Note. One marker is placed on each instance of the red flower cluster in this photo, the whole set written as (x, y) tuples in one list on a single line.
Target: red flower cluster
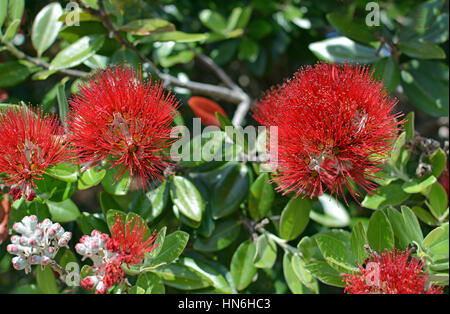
[(118, 118), (391, 273), (30, 144), (128, 243), (335, 129)]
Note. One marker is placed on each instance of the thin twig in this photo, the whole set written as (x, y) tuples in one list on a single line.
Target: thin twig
[(20, 55)]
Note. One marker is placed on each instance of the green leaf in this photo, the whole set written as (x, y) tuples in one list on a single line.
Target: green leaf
[(64, 172), (46, 27), (11, 31), (248, 49), (290, 277), (213, 20), (89, 222), (437, 33), (261, 197), (379, 232), (387, 70), (426, 85), (3, 12), (401, 234), (116, 186), (224, 234), (15, 10), (436, 243), (55, 190), (438, 162), (334, 213), (418, 186), (182, 277), (187, 198), (294, 218), (218, 279), (346, 25), (147, 27), (46, 280), (337, 253), (90, 178), (424, 216), (13, 73), (242, 268), (412, 224), (266, 252), (438, 201), (64, 211), (299, 267), (384, 196), (76, 53), (177, 36), (151, 283), (151, 204), (358, 240), (172, 247), (421, 50), (230, 191), (408, 126), (343, 49), (325, 273), (181, 57), (108, 202)]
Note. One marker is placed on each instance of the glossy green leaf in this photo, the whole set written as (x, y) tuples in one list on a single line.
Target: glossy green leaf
[(46, 280), (412, 224), (224, 234), (343, 49), (242, 268), (438, 201), (187, 198), (172, 247), (384, 196), (290, 277), (151, 283), (261, 197), (64, 172), (387, 70), (213, 20), (379, 232), (230, 191), (358, 241), (64, 211), (182, 277), (266, 252), (76, 53), (114, 185), (334, 213), (294, 218), (151, 204), (348, 26), (46, 27), (14, 72), (299, 267), (421, 50), (147, 27), (90, 178), (337, 253)]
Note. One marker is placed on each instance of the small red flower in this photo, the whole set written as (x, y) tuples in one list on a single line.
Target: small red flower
[(335, 129), (129, 240), (206, 109), (118, 118), (29, 144), (391, 273)]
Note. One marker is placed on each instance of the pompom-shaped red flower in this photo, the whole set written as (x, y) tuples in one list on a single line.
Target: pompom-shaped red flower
[(335, 129), (118, 118), (29, 144), (391, 273)]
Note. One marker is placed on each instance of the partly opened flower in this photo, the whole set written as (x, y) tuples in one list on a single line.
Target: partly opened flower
[(391, 273), (29, 144), (128, 243), (335, 129), (118, 118), (206, 109)]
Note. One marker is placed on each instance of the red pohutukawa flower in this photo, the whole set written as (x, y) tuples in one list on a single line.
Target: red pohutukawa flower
[(118, 118), (391, 273), (335, 129), (29, 144), (128, 243), (206, 109)]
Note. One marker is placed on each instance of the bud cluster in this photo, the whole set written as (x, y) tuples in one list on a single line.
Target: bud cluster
[(97, 249), (38, 244)]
